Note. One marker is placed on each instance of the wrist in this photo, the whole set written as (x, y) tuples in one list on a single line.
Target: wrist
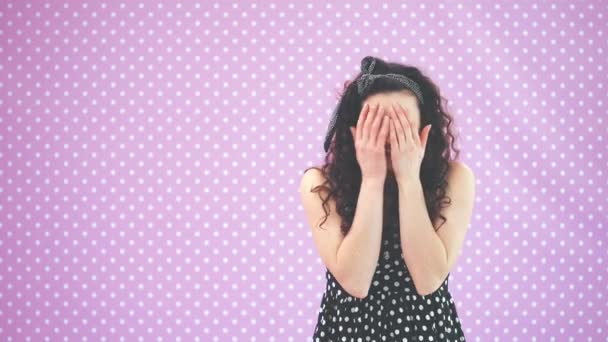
[(408, 183), (372, 181)]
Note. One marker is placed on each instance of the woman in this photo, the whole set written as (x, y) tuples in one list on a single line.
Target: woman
[(382, 230)]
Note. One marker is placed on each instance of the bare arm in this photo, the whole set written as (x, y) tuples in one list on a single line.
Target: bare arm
[(423, 251), (430, 255), (358, 253)]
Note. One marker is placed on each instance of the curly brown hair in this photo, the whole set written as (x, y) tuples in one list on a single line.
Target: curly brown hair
[(341, 169)]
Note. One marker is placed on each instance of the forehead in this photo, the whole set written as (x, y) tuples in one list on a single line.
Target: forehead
[(405, 98)]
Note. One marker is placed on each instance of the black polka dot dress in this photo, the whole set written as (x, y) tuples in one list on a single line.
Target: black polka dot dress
[(392, 310)]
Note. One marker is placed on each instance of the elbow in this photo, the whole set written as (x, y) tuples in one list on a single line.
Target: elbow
[(429, 289), (429, 285), (426, 292), (362, 294), (354, 287), (359, 292)]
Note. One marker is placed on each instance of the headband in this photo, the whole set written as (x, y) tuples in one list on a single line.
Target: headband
[(363, 84)]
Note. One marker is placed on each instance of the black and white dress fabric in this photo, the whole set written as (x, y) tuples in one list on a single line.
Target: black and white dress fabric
[(392, 311)]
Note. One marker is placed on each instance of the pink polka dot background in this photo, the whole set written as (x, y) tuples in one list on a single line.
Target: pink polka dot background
[(151, 153)]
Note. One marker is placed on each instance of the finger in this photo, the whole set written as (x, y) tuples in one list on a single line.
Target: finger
[(376, 126), (425, 138), (383, 132), (399, 132), (410, 121), (366, 129), (412, 130), (393, 134), (404, 127), (361, 121), (400, 140)]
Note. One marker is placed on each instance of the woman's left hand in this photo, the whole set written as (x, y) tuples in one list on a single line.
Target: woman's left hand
[(407, 148)]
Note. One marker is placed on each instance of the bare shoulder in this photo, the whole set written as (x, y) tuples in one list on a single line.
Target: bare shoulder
[(461, 190), (459, 175), (311, 175), (311, 178), (324, 225), (461, 182), (460, 187)]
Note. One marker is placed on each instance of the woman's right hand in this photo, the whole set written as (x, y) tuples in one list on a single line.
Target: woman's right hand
[(370, 136)]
